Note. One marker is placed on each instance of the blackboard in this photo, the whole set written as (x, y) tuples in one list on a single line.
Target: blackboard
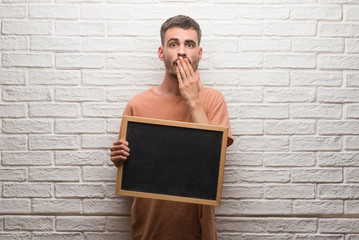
[(172, 160)]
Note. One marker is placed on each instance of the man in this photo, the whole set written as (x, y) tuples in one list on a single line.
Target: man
[(180, 97)]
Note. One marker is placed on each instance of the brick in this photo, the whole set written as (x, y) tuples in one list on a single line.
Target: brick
[(122, 95), (246, 127), (353, 237), (104, 174), (237, 29), (103, 110), (26, 94), (292, 225), (329, 191), (242, 192), (79, 190), (318, 207), (160, 12), (290, 61), (325, 111), (264, 44), (113, 126), (122, 224), (11, 77), (11, 174), (316, 78), (108, 236), (27, 190), (26, 126), (289, 127), (350, 12), (80, 61), (13, 12), (80, 158), (244, 159), (45, 142), (224, 12), (338, 29), (266, 78), (316, 143), (271, 144), (56, 236), (27, 27), (87, 29), (289, 1), (12, 206), (108, 44), (338, 127), (98, 141), (80, 126), (316, 175), (319, 237), (288, 159), (132, 29), (316, 12), (57, 11), (352, 45), (12, 110), (347, 95), (132, 62), (294, 191), (336, 1), (105, 11), (289, 95), (209, 43), (14, 235), (40, 60), (236, 60), (54, 77), (352, 111), (257, 176), (338, 225), (118, 207), (107, 78), (12, 143), (27, 158), (352, 79), (48, 174), (352, 207), (351, 143), (256, 207), (317, 45), (237, 224), (263, 111), (74, 223), (54, 110), (352, 175), (13, 43), (56, 44), (342, 159), (30, 223), (290, 29), (263, 13), (57, 206), (79, 94)]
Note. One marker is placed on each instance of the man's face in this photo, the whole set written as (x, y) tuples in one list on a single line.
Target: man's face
[(180, 42)]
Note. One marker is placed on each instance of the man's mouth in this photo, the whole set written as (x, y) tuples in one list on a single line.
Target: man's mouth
[(175, 62)]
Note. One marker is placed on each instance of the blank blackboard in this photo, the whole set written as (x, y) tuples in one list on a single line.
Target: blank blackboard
[(172, 160)]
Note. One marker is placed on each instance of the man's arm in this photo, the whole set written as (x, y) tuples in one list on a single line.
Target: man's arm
[(190, 87)]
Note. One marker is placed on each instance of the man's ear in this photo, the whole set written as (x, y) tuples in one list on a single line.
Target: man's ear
[(160, 53), (200, 51)]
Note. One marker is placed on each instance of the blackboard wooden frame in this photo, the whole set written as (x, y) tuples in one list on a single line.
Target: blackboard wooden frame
[(206, 172)]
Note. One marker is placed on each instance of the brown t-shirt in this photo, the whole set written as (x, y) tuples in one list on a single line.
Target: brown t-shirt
[(167, 220)]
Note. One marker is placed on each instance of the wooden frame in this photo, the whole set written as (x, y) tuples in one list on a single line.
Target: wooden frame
[(201, 162)]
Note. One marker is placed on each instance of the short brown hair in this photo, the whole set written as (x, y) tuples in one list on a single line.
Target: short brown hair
[(180, 21)]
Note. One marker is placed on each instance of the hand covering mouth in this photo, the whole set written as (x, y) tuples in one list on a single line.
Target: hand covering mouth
[(175, 62)]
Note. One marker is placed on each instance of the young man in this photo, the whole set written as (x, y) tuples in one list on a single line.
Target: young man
[(180, 97)]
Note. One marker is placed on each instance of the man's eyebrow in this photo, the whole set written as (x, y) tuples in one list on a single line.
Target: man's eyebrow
[(172, 39)]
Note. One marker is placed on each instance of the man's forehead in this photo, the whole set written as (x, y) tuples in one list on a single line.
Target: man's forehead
[(181, 34)]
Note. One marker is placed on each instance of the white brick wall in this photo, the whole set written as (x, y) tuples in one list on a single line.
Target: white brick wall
[(289, 70)]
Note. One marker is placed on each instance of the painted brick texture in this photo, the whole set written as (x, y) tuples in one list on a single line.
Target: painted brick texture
[(289, 70)]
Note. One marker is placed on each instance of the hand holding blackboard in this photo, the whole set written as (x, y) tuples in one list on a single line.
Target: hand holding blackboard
[(171, 160), (119, 151)]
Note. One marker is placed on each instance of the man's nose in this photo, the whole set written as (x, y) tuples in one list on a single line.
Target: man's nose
[(181, 52)]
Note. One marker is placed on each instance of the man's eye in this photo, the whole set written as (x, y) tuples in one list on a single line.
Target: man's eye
[(190, 45), (173, 44)]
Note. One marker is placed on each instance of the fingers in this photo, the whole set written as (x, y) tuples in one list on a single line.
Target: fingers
[(185, 69), (119, 151)]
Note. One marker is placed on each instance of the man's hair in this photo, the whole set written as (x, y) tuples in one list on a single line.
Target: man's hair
[(180, 21)]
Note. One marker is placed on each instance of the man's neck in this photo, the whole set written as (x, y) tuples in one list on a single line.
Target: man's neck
[(168, 87)]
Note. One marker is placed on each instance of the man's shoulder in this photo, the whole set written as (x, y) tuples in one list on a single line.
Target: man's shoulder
[(208, 92)]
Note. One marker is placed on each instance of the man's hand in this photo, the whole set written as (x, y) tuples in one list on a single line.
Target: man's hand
[(190, 87), (119, 151)]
